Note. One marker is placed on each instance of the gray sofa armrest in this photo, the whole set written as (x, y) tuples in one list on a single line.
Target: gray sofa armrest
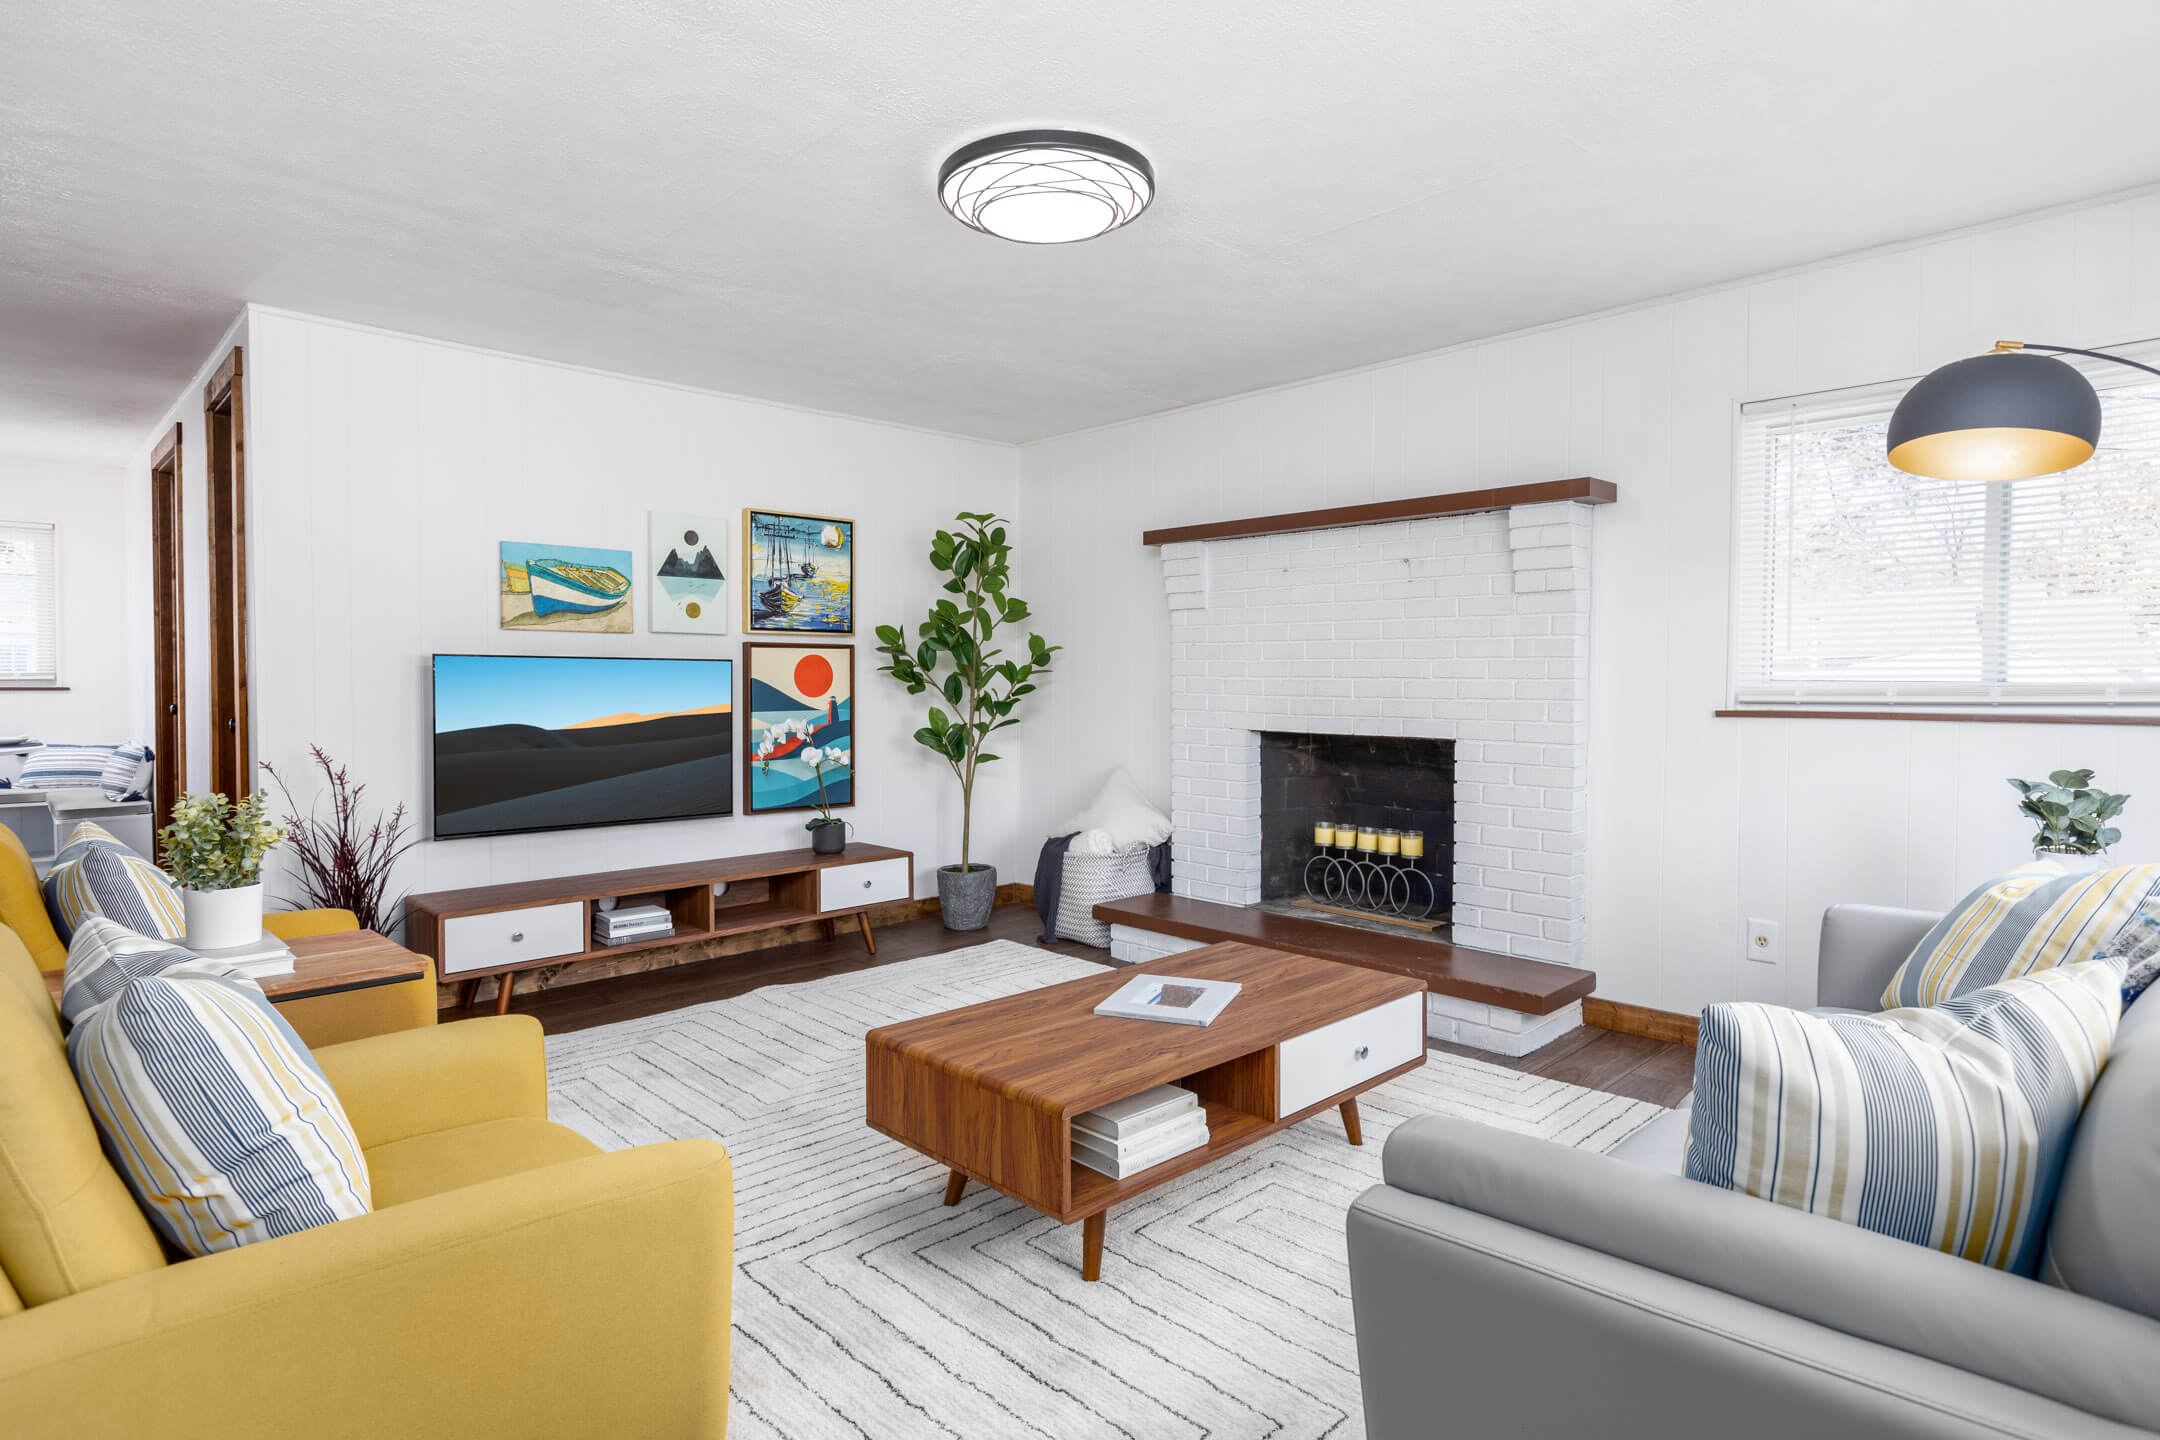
[(2078, 1352), (1862, 946)]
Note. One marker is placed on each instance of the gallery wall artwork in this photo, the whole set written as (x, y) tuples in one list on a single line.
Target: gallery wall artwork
[(798, 574), (798, 706), (689, 589), (565, 587)]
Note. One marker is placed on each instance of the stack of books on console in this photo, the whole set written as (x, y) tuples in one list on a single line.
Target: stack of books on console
[(1128, 1136), (636, 922)]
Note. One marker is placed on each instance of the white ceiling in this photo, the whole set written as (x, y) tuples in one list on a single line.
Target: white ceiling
[(739, 195)]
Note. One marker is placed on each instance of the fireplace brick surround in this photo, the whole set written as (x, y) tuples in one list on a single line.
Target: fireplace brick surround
[(1473, 628)]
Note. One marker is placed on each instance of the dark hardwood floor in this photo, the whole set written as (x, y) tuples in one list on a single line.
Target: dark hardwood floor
[(1596, 1059)]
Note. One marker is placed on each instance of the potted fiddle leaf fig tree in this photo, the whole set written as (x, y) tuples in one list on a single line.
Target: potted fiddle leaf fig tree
[(955, 653)]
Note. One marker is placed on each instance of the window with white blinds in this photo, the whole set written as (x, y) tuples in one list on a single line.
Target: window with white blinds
[(29, 604), (1857, 585)]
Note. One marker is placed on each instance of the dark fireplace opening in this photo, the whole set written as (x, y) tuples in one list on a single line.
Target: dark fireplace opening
[(1376, 781)]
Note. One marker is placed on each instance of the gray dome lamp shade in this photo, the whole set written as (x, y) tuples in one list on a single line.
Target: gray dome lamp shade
[(2000, 416)]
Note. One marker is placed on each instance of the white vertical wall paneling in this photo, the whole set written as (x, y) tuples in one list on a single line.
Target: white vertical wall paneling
[(1696, 823), (386, 469)]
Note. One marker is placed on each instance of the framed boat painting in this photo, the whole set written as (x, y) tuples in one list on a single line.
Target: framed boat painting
[(565, 587), (798, 574), (689, 590), (798, 711)]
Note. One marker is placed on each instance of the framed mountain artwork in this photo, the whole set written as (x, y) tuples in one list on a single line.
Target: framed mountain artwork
[(689, 589), (565, 587), (798, 574), (798, 709)]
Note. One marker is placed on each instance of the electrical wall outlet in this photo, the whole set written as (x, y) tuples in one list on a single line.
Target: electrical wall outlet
[(1762, 945)]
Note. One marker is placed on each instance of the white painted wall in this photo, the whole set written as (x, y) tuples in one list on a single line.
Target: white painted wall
[(104, 598), (1696, 822), (383, 471)]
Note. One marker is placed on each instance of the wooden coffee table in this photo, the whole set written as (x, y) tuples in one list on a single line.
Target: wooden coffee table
[(990, 1090)]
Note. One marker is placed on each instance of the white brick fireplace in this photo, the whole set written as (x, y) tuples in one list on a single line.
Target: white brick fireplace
[(1473, 628)]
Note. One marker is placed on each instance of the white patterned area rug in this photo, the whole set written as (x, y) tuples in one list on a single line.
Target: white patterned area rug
[(866, 1308)]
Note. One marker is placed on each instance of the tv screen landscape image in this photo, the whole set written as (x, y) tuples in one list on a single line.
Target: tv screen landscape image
[(536, 742)]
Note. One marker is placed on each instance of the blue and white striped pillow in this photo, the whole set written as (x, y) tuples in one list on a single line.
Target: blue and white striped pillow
[(95, 874), (103, 956), (215, 1113), (1946, 1126), (125, 771), (66, 767)]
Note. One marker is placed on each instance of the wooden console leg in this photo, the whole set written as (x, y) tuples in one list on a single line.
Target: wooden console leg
[(1350, 1124), (862, 918), (832, 929), (503, 984), (465, 991), (955, 1183), (1091, 1233)]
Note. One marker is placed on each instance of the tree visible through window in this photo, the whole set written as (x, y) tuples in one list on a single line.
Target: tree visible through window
[(29, 600), (1855, 583)]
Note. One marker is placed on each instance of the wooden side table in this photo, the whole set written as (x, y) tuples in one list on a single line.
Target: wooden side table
[(330, 965)]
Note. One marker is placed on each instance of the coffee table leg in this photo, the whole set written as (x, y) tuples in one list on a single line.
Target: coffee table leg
[(955, 1183), (1350, 1124), (1091, 1233)]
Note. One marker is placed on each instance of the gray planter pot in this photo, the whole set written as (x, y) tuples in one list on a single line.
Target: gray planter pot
[(965, 897)]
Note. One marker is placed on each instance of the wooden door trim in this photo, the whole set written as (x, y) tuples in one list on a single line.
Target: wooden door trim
[(168, 634), (225, 444)]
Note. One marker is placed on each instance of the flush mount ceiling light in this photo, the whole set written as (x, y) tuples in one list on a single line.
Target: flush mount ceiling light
[(1046, 187)]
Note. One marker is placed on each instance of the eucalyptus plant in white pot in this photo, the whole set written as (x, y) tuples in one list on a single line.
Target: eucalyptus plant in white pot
[(2073, 814), (984, 689), (214, 850)]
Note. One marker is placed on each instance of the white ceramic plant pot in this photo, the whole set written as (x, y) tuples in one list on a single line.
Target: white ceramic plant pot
[(2071, 862), (223, 919)]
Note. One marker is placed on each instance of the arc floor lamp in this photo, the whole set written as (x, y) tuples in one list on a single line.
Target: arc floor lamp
[(2004, 415)]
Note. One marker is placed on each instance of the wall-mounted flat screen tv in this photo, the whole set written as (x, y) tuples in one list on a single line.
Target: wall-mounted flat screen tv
[(541, 742)]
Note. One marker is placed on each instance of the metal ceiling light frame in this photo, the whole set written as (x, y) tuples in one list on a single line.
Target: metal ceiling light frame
[(1046, 187)]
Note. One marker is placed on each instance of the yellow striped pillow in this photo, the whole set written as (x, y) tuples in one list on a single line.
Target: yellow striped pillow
[(98, 875), (215, 1113), (2034, 918)]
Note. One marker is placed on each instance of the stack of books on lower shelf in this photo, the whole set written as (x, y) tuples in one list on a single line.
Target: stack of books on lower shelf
[(624, 926), (1130, 1135)]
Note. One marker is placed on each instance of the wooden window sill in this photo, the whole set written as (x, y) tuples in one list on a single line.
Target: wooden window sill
[(1943, 717), (14, 688)]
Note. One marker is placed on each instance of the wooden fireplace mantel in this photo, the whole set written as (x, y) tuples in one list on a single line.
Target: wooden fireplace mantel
[(1584, 489)]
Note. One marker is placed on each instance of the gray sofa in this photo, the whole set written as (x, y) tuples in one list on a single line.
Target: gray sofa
[(1507, 1286)]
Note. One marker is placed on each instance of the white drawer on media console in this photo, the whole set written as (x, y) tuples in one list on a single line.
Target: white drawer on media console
[(873, 882), (1331, 1059), (509, 937)]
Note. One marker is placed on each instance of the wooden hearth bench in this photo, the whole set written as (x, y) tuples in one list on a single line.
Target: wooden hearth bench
[(1502, 1003), (502, 929)]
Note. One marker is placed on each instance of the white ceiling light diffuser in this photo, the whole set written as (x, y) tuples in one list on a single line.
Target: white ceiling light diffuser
[(1046, 187)]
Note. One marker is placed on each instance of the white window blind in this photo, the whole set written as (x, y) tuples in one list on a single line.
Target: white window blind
[(29, 604), (1857, 585)]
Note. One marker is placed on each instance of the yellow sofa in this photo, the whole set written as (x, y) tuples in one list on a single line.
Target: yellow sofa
[(319, 1020), (512, 1280)]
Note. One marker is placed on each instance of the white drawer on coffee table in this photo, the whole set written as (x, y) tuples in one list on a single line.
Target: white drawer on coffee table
[(512, 937), (871, 882), (1333, 1058)]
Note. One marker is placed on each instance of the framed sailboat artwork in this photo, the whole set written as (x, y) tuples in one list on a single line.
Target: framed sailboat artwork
[(689, 588), (798, 574)]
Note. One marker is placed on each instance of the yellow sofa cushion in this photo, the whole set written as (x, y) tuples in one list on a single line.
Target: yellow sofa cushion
[(298, 924), (22, 980), (67, 1222), (22, 904), (423, 1165)]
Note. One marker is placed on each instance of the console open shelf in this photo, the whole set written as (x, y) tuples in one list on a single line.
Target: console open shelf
[(500, 930)]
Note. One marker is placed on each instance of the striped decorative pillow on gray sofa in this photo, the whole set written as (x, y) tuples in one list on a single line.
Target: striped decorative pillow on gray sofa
[(1945, 1126)]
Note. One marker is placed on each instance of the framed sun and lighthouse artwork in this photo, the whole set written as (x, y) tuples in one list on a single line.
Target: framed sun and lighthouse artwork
[(798, 574), (798, 708)]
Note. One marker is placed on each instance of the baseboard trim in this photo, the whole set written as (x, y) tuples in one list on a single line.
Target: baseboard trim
[(586, 970), (1639, 1020)]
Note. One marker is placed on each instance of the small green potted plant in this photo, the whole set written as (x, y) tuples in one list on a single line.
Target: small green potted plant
[(983, 689), (214, 851), (828, 832), (2074, 829)]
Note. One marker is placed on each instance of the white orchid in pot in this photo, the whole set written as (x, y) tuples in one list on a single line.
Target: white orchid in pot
[(828, 833), (214, 851)]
